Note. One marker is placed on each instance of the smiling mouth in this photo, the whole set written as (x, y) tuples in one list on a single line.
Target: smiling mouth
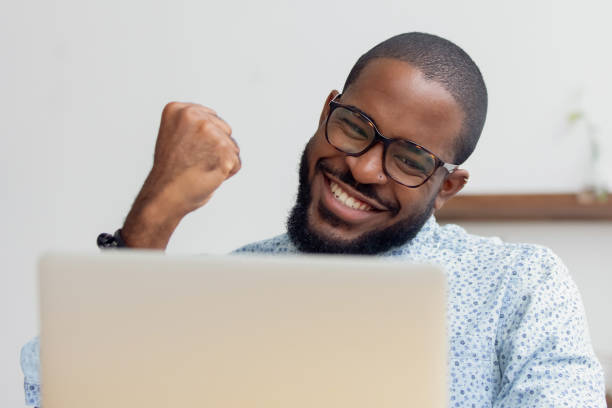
[(346, 199)]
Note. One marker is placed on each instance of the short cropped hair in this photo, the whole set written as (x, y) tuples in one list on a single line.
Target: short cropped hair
[(444, 62)]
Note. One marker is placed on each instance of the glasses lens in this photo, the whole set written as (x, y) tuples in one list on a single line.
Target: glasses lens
[(408, 163), (349, 131)]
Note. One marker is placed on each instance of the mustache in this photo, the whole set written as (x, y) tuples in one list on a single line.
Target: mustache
[(367, 190)]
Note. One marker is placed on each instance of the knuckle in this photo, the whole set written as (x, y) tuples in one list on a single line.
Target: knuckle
[(170, 108), (190, 112), (225, 145), (228, 166), (205, 126)]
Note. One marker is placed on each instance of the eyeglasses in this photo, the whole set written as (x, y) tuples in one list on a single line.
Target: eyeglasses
[(351, 131)]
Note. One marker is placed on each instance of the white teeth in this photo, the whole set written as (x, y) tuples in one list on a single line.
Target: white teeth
[(347, 200)]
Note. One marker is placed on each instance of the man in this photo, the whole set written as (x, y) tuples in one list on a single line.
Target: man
[(383, 159)]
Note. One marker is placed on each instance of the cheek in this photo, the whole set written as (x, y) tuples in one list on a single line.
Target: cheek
[(414, 201), (318, 148)]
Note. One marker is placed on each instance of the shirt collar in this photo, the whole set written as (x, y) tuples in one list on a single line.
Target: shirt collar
[(424, 239)]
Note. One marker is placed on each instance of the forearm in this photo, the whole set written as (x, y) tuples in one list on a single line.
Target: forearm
[(150, 222)]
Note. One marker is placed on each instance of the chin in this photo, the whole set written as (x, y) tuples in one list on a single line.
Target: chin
[(309, 237)]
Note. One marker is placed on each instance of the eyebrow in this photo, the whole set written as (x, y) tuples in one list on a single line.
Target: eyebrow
[(364, 114), (376, 127)]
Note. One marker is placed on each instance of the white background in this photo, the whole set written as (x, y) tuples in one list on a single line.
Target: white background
[(82, 85)]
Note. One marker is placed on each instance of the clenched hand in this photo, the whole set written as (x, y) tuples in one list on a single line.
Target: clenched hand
[(194, 155)]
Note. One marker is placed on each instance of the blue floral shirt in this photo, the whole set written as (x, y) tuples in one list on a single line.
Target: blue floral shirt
[(517, 330)]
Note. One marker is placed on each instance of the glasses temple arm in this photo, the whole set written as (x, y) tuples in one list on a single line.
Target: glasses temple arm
[(450, 167)]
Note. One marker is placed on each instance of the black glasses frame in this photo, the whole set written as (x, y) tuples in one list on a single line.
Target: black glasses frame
[(386, 141)]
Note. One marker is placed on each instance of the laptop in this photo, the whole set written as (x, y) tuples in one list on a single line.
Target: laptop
[(144, 329)]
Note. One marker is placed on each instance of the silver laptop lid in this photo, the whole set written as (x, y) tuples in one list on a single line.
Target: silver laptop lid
[(143, 329)]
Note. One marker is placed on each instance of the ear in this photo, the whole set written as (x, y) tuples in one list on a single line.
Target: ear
[(325, 111), (453, 183)]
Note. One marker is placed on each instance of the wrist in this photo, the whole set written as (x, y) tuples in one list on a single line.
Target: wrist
[(151, 221)]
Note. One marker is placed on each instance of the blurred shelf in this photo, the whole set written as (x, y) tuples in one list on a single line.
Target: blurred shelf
[(523, 207)]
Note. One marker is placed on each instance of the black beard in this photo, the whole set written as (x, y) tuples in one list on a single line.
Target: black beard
[(374, 242)]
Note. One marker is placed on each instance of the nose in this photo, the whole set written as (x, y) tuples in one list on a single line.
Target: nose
[(368, 168)]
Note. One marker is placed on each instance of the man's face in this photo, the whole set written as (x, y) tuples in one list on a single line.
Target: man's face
[(404, 105)]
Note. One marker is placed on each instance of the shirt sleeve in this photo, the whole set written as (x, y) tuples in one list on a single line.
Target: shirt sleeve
[(544, 350), (30, 362)]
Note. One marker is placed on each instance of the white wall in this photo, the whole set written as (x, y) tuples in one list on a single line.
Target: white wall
[(82, 84)]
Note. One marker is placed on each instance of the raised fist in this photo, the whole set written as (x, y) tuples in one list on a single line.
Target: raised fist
[(194, 154)]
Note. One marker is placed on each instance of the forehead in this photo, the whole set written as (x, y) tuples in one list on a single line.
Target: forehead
[(406, 105)]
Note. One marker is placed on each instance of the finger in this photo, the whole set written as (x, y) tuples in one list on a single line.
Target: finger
[(220, 123), (237, 166), (225, 148), (235, 142), (181, 114), (171, 111), (230, 132), (180, 107), (206, 109)]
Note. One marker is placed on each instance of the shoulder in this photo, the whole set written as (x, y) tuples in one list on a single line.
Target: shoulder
[(521, 264), (281, 244), (455, 238), (523, 275)]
